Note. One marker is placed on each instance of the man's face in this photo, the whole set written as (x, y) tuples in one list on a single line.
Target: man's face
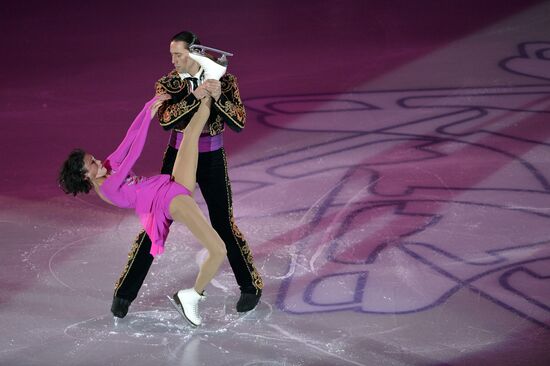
[(180, 56)]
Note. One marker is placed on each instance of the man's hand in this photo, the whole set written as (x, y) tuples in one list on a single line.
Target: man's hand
[(201, 91), (214, 87)]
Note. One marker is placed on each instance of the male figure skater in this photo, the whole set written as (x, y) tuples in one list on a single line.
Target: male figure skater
[(187, 84)]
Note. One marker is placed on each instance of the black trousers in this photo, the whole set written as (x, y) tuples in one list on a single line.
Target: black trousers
[(215, 187)]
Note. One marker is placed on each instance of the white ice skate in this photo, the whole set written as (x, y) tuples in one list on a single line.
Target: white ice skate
[(186, 303), (213, 68)]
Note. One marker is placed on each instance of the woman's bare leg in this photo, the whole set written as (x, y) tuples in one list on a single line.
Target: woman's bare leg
[(185, 166), (184, 209)]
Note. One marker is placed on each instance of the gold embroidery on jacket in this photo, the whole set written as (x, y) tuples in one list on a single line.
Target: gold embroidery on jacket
[(233, 111), (172, 83), (246, 253), (232, 107), (216, 126), (131, 257), (229, 107)]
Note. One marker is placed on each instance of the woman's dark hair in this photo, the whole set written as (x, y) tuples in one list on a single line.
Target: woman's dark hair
[(188, 37), (72, 178)]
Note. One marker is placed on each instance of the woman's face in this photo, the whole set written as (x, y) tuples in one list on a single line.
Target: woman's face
[(94, 169)]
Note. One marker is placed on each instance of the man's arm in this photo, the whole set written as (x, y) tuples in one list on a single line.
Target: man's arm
[(178, 111), (229, 105)]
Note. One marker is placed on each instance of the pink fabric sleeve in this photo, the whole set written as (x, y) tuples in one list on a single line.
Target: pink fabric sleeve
[(126, 154)]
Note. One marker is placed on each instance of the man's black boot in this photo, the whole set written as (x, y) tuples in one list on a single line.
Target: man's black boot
[(248, 301), (120, 306)]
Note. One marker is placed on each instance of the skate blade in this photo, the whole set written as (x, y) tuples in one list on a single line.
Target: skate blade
[(175, 303), (200, 49)]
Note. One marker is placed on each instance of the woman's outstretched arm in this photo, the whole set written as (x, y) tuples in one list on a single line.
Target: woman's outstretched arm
[(125, 156)]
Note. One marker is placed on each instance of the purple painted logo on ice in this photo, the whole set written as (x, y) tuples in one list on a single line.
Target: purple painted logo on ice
[(409, 196)]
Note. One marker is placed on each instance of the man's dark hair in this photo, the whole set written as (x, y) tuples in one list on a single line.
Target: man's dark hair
[(188, 37), (72, 178)]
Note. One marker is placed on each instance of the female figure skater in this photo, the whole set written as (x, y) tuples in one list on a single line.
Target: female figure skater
[(157, 200)]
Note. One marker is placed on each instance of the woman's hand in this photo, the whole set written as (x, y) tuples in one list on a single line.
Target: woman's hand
[(156, 105)]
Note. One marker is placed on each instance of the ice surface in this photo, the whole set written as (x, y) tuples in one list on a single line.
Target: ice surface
[(398, 210)]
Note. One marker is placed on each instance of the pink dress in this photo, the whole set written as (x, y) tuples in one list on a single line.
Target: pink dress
[(150, 197)]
